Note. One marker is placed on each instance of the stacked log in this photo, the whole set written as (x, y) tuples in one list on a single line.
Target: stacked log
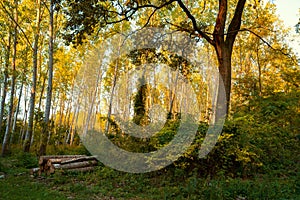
[(80, 163)]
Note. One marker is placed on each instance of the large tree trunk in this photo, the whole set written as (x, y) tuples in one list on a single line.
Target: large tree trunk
[(224, 60), (223, 43)]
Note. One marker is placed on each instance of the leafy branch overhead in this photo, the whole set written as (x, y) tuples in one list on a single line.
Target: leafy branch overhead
[(218, 23), (85, 16)]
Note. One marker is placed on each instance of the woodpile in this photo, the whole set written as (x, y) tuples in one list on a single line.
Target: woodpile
[(78, 163)]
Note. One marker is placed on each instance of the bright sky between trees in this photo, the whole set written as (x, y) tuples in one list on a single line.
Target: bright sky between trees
[(288, 10)]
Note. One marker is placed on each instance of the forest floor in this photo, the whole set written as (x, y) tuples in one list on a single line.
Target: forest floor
[(105, 183)]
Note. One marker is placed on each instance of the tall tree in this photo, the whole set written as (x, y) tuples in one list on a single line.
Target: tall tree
[(28, 135), (222, 37), (13, 81), (49, 87), (7, 48)]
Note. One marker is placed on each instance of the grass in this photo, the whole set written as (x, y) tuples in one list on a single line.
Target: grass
[(106, 183), (22, 187)]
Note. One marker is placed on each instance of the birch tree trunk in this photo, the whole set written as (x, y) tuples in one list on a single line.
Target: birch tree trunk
[(5, 83), (28, 135), (45, 132), (3, 97), (5, 143), (17, 112), (24, 124)]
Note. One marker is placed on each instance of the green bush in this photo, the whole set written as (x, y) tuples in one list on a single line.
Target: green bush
[(1, 166), (26, 160), (250, 144), (67, 150)]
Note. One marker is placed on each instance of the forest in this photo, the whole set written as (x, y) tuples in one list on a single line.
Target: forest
[(148, 99)]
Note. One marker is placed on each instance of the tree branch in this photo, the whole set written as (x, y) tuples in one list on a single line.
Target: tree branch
[(194, 22), (269, 45), (220, 22), (190, 31), (4, 42), (12, 18), (235, 23), (132, 10), (156, 9)]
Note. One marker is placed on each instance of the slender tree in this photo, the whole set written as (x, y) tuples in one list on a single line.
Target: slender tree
[(17, 111), (13, 81), (29, 131), (43, 145), (5, 82)]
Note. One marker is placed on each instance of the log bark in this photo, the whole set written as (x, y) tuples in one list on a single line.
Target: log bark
[(34, 170), (56, 160), (78, 164), (48, 164), (68, 166), (44, 159), (87, 158)]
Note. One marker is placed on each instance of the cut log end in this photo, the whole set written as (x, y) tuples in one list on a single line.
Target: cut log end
[(79, 163)]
